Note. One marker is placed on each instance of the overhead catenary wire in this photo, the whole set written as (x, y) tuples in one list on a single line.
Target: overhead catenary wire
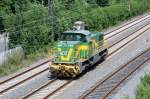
[(34, 21), (46, 18), (24, 25)]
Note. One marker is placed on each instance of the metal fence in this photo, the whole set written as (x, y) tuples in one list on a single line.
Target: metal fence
[(6, 54), (3, 43)]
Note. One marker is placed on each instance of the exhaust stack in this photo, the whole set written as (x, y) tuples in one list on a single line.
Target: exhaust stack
[(79, 25)]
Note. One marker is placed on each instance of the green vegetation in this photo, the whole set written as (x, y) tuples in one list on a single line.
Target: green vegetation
[(12, 64), (126, 97), (143, 90), (18, 60), (29, 25)]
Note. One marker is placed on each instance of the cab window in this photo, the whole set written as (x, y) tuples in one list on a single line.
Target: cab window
[(73, 37)]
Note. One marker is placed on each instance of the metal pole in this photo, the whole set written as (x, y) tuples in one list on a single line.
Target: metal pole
[(5, 42), (51, 19), (42, 3), (129, 7), (5, 49)]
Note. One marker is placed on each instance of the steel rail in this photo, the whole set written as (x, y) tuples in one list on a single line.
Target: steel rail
[(56, 90), (128, 41), (30, 69), (17, 75), (35, 91), (32, 75), (47, 68), (131, 34), (107, 77), (126, 78), (119, 48), (44, 86), (128, 24), (125, 29), (52, 93), (5, 90)]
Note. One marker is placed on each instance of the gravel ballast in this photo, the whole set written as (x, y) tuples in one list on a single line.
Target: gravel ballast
[(129, 89)]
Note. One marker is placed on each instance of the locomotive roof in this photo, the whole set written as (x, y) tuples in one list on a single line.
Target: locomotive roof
[(85, 32)]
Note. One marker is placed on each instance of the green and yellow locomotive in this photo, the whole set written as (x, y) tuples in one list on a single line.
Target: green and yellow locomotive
[(77, 50)]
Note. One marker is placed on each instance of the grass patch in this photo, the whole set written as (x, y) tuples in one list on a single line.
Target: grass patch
[(143, 90), (18, 60), (126, 97), (12, 64)]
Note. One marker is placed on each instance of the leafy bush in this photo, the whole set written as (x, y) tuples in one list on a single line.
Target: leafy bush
[(126, 97), (32, 29), (99, 18), (29, 29), (12, 64), (143, 90)]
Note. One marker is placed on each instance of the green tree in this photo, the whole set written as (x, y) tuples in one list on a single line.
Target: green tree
[(19, 5), (28, 23), (68, 3)]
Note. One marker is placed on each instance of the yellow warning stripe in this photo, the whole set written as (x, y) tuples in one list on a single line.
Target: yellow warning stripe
[(81, 47), (68, 56)]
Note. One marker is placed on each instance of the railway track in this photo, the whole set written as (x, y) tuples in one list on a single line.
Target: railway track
[(51, 87), (121, 29), (105, 88), (44, 70), (131, 39), (36, 92), (126, 24), (28, 70), (56, 90)]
